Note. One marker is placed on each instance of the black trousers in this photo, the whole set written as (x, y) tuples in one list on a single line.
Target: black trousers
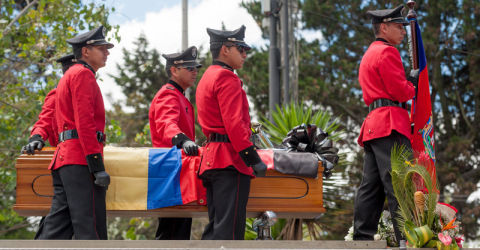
[(227, 197), (78, 207), (376, 185), (173, 229)]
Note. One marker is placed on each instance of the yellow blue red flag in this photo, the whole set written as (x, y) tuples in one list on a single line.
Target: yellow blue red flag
[(150, 178)]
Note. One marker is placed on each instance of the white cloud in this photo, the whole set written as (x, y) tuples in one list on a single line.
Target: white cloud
[(163, 32), (311, 35)]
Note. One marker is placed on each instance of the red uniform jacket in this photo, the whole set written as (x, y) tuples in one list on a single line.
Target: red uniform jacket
[(222, 108), (79, 106), (381, 75), (170, 114), (46, 125)]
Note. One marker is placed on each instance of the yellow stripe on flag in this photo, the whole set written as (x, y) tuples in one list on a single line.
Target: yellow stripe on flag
[(128, 170)]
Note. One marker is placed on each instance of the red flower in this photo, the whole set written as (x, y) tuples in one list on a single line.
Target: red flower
[(424, 159), (459, 240)]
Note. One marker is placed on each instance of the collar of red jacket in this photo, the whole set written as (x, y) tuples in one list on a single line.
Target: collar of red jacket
[(172, 82), (224, 65)]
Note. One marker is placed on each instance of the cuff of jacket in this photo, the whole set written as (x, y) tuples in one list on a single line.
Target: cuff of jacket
[(250, 156), (179, 139), (36, 137), (95, 163)]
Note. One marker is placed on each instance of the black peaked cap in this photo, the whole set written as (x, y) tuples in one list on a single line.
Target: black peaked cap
[(186, 58), (67, 61), (388, 16), (235, 36), (92, 37)]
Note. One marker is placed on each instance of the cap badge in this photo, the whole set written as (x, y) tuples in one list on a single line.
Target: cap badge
[(194, 52), (104, 31)]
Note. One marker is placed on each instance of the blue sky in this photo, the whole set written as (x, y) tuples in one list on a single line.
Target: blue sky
[(127, 10)]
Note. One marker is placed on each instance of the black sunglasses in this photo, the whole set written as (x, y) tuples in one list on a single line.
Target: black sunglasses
[(240, 48), (189, 68)]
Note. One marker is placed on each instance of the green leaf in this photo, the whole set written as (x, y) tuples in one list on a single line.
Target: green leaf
[(424, 234), (431, 244), (410, 233)]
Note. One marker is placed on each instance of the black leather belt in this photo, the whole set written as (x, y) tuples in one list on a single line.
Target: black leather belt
[(386, 102), (73, 134), (214, 137)]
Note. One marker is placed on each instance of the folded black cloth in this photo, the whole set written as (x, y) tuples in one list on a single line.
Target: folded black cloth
[(309, 138), (296, 163)]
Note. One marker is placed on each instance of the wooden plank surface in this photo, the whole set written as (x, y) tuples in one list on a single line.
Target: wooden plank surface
[(288, 196), (192, 244)]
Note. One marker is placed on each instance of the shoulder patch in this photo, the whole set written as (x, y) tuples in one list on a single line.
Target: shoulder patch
[(170, 87)]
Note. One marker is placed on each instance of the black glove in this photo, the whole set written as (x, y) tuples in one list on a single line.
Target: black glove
[(190, 148), (253, 160), (413, 77), (34, 143), (102, 179), (96, 167), (259, 169)]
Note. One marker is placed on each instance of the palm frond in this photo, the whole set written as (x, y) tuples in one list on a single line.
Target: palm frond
[(291, 115), (431, 197), (403, 169)]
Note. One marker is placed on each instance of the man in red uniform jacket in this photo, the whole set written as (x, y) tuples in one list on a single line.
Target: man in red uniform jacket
[(46, 127), (78, 173), (172, 122), (385, 91), (229, 158)]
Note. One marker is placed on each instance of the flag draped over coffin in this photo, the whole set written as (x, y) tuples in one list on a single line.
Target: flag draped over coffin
[(150, 178)]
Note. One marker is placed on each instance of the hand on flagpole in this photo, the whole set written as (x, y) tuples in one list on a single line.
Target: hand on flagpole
[(413, 77)]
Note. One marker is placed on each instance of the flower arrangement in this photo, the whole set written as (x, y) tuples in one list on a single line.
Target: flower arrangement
[(424, 221), (384, 232)]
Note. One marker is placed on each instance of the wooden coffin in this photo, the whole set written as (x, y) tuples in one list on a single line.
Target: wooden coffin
[(288, 196)]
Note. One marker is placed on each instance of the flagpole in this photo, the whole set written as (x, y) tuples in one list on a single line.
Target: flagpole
[(412, 44), (413, 34)]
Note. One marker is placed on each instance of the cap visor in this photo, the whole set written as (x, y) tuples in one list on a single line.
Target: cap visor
[(190, 64), (246, 46), (109, 45), (405, 23)]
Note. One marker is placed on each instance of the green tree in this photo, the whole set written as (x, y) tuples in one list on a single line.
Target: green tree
[(328, 78), (141, 75), (315, 87), (32, 36)]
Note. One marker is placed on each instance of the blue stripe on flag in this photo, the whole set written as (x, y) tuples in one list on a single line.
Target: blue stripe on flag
[(164, 167), (422, 59)]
